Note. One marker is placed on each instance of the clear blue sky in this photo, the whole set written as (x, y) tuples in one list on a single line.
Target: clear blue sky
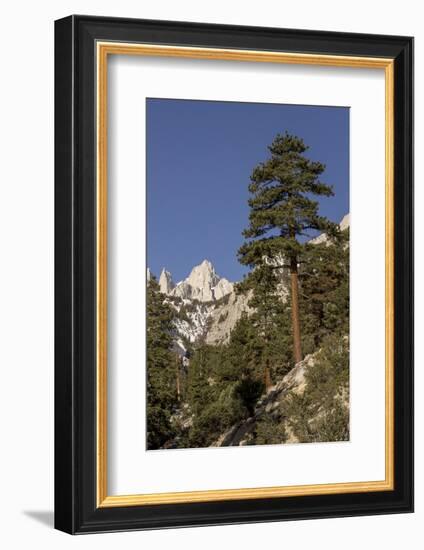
[(200, 155)]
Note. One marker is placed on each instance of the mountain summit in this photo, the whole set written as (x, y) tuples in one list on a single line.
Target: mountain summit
[(203, 278), (203, 284)]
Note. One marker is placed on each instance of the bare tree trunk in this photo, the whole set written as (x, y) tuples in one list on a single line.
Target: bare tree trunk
[(297, 348)]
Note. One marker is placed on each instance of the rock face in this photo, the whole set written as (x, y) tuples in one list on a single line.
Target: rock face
[(166, 284), (223, 288), (224, 316)]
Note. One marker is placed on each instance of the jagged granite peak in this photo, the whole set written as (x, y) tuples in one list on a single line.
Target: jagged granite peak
[(166, 283), (203, 275), (203, 284), (202, 280)]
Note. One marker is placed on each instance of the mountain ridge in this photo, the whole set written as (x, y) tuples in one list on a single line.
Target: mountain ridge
[(202, 284)]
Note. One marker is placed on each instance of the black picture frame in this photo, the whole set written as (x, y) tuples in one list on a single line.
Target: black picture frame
[(76, 510)]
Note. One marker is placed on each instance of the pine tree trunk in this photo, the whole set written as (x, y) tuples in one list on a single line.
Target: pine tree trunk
[(267, 376), (267, 370), (297, 349), (178, 383)]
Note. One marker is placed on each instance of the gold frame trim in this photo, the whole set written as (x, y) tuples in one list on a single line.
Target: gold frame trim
[(104, 49)]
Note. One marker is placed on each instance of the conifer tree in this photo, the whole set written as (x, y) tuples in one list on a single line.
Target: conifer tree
[(199, 392), (324, 280), (161, 386), (267, 306), (281, 212)]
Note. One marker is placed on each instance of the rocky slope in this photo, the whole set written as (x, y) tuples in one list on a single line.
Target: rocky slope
[(224, 316), (270, 404)]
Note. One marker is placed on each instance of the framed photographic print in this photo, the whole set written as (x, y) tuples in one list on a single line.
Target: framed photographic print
[(234, 274)]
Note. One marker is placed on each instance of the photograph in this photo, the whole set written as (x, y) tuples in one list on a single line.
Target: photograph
[(247, 285)]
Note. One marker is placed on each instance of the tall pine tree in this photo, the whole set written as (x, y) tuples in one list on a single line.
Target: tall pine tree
[(281, 211)]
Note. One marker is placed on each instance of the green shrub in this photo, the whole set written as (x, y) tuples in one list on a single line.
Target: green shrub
[(216, 418), (321, 413), (269, 431)]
